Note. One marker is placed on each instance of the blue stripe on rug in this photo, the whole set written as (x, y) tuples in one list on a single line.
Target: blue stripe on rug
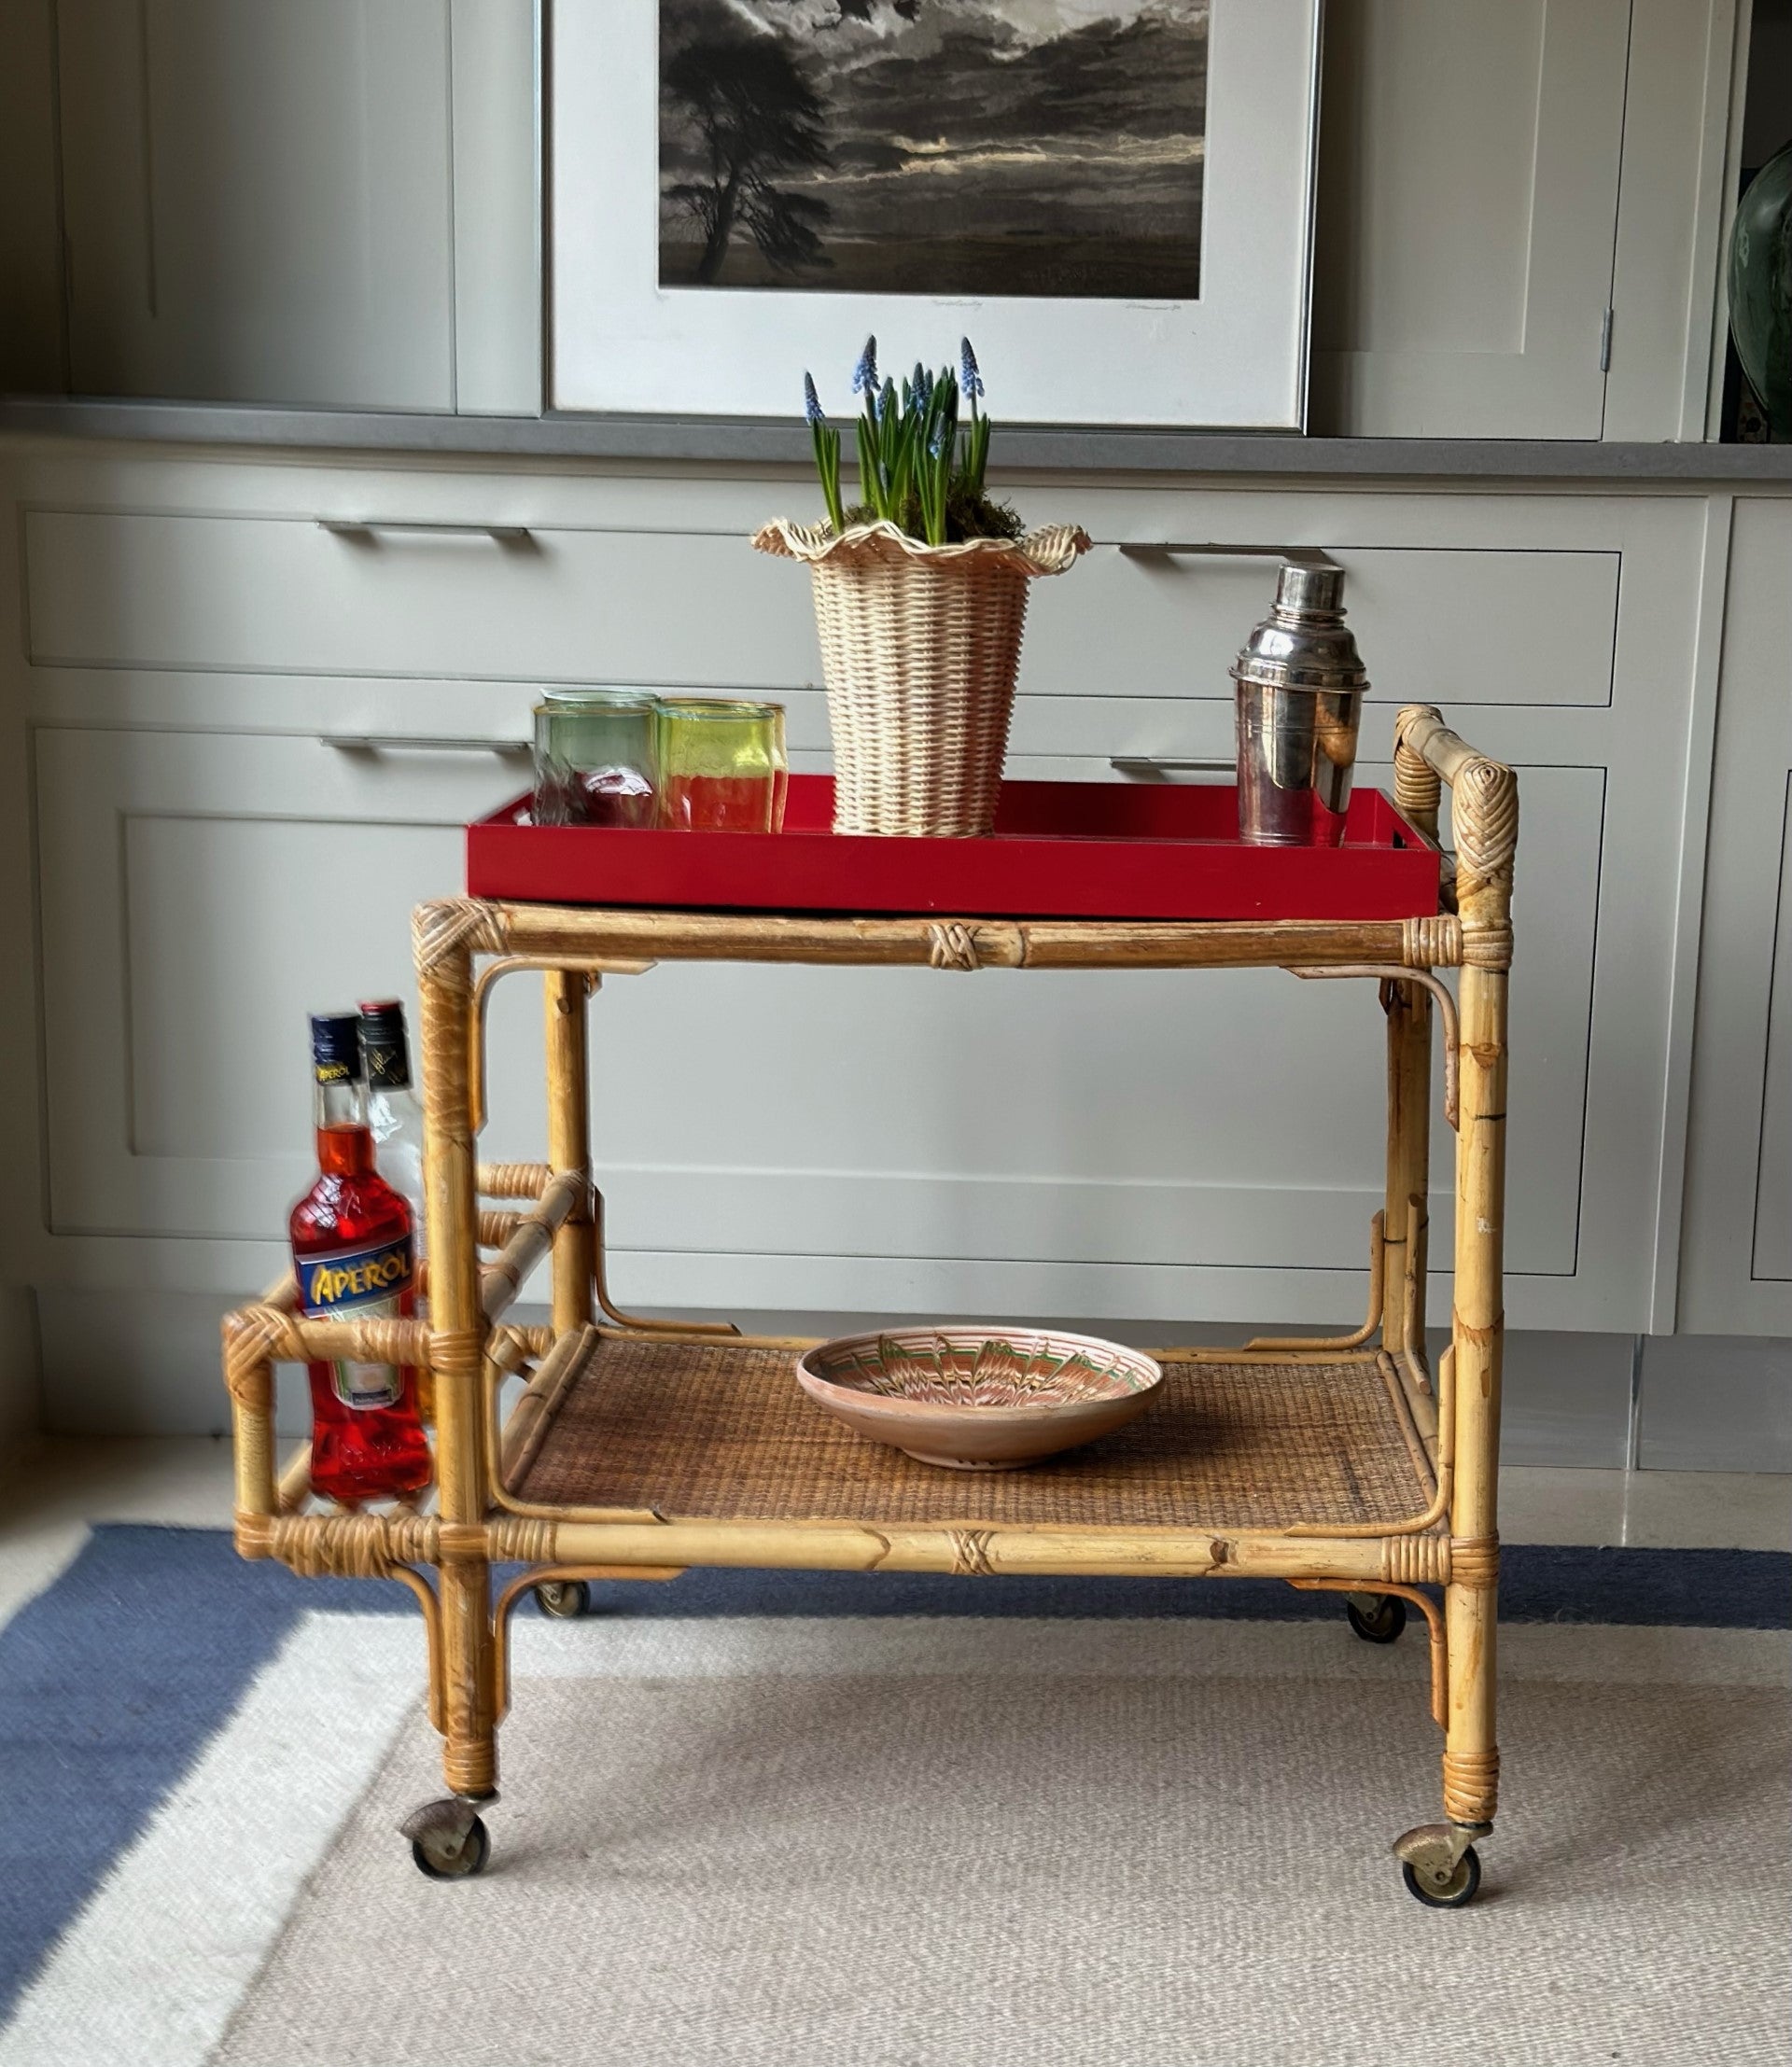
[(111, 1683), (115, 1678)]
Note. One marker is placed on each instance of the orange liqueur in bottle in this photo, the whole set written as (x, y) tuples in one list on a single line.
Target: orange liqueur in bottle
[(352, 1255)]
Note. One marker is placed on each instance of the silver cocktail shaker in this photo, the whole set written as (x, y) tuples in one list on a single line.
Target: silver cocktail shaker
[(1300, 689)]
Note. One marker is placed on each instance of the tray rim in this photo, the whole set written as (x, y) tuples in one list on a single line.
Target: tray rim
[(1224, 880)]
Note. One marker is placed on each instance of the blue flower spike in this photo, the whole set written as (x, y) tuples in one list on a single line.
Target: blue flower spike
[(812, 402), (864, 375), (970, 373)]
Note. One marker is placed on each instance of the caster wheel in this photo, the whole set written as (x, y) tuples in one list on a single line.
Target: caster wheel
[(1381, 1620), (564, 1600), (1448, 1892), (444, 1857)]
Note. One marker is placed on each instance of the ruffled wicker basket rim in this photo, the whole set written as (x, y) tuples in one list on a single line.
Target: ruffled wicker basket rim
[(1049, 550)]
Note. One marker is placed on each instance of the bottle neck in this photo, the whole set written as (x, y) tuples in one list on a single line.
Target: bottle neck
[(389, 1069), (345, 1143), (386, 1049)]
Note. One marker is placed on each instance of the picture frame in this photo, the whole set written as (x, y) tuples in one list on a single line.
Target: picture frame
[(633, 333)]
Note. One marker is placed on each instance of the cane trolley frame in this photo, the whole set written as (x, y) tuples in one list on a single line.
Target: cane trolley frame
[(640, 1448)]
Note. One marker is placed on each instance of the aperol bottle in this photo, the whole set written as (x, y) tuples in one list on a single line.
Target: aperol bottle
[(352, 1253)]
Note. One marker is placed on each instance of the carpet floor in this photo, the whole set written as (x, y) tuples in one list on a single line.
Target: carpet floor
[(1017, 1860), (809, 1820)]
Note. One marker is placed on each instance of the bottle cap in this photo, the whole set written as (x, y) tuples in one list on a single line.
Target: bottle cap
[(336, 1047), (383, 1044)]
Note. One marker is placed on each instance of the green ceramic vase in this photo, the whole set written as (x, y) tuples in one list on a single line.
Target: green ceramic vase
[(1760, 288)]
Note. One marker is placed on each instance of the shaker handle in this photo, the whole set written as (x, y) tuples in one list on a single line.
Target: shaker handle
[(1156, 549), (382, 742), (1155, 765)]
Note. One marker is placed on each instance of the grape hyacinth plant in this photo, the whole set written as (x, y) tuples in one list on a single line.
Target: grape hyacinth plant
[(919, 467)]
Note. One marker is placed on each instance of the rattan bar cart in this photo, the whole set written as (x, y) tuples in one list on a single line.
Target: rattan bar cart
[(640, 1448)]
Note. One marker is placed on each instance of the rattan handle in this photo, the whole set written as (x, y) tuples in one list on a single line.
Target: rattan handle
[(1484, 815)]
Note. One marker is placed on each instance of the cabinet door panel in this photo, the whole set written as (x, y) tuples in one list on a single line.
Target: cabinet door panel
[(258, 200), (1772, 1259), (1468, 213), (200, 895), (1181, 1127), (1737, 1232)]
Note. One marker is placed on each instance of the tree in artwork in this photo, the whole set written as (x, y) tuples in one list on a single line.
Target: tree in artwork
[(757, 117)]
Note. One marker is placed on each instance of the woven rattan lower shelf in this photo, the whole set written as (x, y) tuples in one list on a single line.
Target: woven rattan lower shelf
[(718, 1431)]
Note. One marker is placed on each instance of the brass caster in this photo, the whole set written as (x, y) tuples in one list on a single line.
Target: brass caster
[(448, 1840), (1376, 1617), (1439, 1864), (564, 1600)]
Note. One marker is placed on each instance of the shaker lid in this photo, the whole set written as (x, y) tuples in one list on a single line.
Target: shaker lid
[(1304, 642)]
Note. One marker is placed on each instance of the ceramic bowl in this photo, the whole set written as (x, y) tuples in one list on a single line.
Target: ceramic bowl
[(979, 1398)]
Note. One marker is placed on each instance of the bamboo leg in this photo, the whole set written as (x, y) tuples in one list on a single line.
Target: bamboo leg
[(1484, 815), (466, 1696), (569, 1142), (1408, 1011), (1471, 1758)]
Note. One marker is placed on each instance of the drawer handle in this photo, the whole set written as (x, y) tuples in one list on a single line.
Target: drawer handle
[(1156, 549), (1155, 764), (370, 527), (382, 741)]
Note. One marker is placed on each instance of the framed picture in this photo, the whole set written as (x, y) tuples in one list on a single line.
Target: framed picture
[(1112, 198)]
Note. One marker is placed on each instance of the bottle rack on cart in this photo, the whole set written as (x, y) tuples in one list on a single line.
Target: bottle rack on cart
[(640, 1448)]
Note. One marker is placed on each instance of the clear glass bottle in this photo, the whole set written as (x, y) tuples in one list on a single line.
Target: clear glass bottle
[(351, 1254), (393, 1110)]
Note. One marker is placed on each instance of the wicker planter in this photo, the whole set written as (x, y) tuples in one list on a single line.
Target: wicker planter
[(919, 649)]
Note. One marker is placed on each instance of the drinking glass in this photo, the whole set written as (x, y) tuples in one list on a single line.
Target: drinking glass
[(596, 758), (723, 766)]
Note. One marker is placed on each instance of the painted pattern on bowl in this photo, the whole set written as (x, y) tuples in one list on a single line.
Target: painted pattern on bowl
[(979, 1398)]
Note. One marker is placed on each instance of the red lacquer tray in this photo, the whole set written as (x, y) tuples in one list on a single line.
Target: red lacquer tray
[(1060, 850)]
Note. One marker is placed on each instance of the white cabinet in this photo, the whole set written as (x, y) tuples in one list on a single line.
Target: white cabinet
[(322, 203), (1737, 1273), (886, 1141)]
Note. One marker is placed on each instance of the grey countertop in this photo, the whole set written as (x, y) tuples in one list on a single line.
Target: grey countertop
[(1024, 449)]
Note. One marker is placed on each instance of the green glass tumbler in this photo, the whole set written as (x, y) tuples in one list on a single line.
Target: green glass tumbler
[(596, 758), (722, 766)]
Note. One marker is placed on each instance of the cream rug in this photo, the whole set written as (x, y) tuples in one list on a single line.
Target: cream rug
[(1060, 1844)]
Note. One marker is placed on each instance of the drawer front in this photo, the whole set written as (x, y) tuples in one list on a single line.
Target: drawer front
[(1445, 626), (286, 594), (290, 596)]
